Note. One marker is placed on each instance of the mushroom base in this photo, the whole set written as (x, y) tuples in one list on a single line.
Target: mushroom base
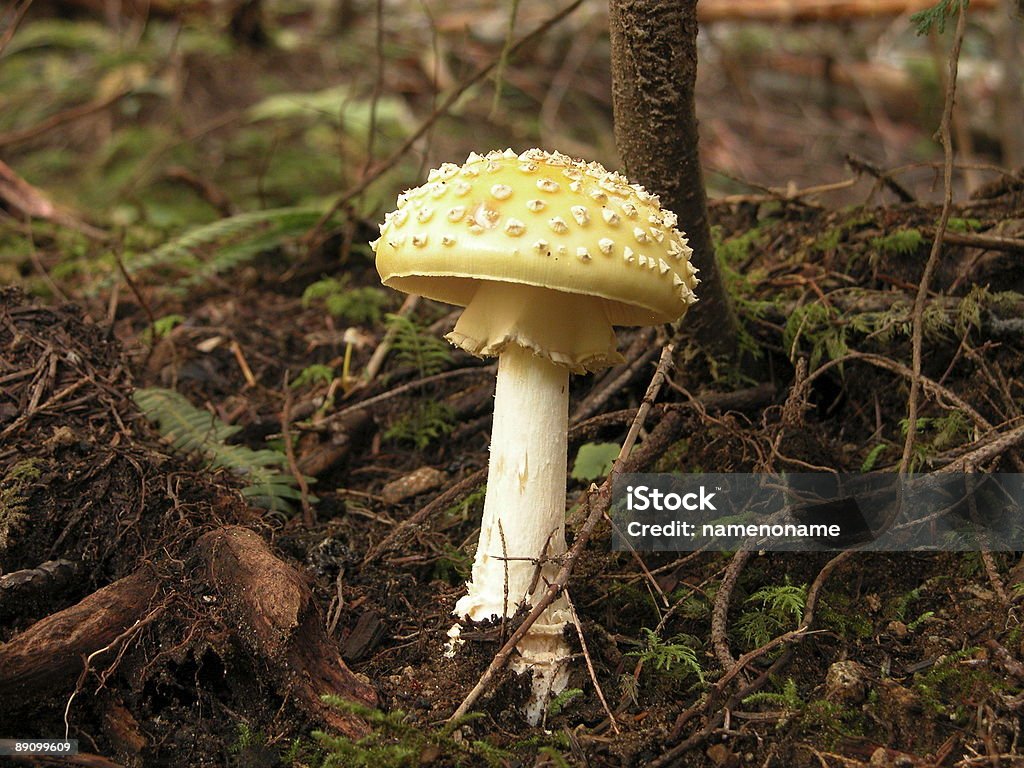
[(544, 653)]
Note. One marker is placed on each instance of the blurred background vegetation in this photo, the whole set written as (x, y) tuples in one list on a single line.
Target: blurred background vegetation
[(137, 123)]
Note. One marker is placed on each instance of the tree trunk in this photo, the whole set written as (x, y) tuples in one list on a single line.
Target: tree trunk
[(654, 71)]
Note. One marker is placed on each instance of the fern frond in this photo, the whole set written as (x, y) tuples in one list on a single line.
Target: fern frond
[(192, 430), (222, 245), (935, 17), (14, 497), (679, 652), (411, 346), (426, 421)]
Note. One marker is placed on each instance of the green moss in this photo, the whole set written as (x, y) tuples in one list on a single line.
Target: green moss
[(395, 742), (953, 689), (14, 495), (956, 224), (902, 242), (364, 305), (842, 615)]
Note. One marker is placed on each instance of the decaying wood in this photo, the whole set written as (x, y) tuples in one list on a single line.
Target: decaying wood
[(265, 598), (51, 652), (56, 573), (316, 457), (123, 730), (814, 10), (274, 611)]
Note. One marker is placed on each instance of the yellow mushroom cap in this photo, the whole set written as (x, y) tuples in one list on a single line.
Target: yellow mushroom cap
[(538, 219)]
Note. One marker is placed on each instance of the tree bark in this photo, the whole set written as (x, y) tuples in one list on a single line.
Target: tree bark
[(654, 72)]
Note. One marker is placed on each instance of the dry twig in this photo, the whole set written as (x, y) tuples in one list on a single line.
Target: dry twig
[(590, 664), (720, 613)]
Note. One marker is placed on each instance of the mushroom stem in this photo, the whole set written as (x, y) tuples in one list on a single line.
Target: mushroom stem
[(523, 524)]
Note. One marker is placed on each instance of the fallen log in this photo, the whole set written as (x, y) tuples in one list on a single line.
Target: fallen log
[(814, 10)]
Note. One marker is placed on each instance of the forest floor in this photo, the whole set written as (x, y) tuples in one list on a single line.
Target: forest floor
[(186, 600)]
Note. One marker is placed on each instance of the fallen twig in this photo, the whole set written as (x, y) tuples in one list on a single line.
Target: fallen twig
[(720, 613), (590, 664), (860, 165), (403, 389), (381, 352), (990, 450), (308, 516), (20, 135), (640, 354), (980, 240)]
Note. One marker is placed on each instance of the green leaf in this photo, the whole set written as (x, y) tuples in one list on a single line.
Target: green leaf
[(872, 458), (594, 460)]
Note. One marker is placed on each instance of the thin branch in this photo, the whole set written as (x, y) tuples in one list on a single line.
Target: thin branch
[(981, 240), (499, 75), (590, 664), (308, 517), (860, 165), (19, 135), (378, 83), (720, 612), (381, 352), (997, 447), (404, 388), (917, 334)]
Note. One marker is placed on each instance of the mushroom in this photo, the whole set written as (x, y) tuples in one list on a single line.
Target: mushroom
[(546, 253)]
